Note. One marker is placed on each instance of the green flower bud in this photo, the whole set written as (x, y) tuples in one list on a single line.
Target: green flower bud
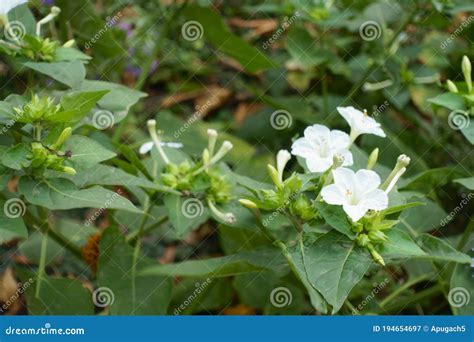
[(302, 207), (374, 155), (248, 203), (466, 70), (274, 175), (65, 134), (375, 255), (362, 240), (451, 86), (377, 236)]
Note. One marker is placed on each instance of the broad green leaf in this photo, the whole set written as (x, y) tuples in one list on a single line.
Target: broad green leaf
[(17, 157), (23, 14), (76, 105), (118, 270), (334, 265), (399, 246), (450, 101), (70, 54), (231, 265), (69, 73), (336, 218), (86, 152), (12, 225), (422, 219), (209, 23), (118, 100), (186, 214), (108, 175), (294, 256), (461, 294), (58, 296), (62, 194), (466, 182), (438, 249), (468, 132)]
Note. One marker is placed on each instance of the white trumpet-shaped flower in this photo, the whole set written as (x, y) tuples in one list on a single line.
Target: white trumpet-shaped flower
[(360, 123), (357, 192), (7, 5), (319, 145)]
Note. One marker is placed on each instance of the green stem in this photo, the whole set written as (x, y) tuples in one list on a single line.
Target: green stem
[(402, 289), (465, 236), (42, 264), (428, 293)]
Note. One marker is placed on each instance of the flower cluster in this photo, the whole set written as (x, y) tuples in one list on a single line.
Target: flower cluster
[(326, 154), (200, 179)]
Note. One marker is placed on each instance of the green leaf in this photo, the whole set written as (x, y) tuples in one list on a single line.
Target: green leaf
[(186, 214), (12, 227), (336, 218), (468, 132), (231, 265), (301, 47), (294, 256), (58, 296), (69, 73), (428, 180), (118, 100), (461, 292), (399, 245), (334, 265), (76, 105), (466, 182), (62, 194), (422, 219), (118, 270), (217, 33), (398, 208), (17, 157), (86, 152), (23, 14), (438, 249), (449, 100), (70, 54)]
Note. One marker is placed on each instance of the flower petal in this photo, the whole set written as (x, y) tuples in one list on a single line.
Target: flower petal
[(367, 180), (344, 178), (332, 194), (318, 164), (315, 133), (376, 200), (146, 147), (355, 212), (339, 139), (302, 147)]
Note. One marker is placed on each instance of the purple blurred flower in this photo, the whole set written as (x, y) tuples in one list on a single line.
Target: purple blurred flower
[(47, 2), (134, 70)]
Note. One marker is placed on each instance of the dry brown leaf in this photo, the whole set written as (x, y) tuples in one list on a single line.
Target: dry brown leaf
[(181, 97), (213, 98), (9, 294), (168, 256), (244, 110), (258, 26)]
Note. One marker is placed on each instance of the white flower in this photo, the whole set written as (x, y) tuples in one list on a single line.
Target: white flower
[(319, 146), (360, 122), (357, 192), (148, 146), (283, 157), (7, 5)]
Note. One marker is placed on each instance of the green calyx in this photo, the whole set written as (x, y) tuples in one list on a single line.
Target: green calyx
[(39, 49), (37, 109)]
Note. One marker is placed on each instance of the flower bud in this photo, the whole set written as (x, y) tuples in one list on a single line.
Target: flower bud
[(55, 10), (402, 162), (283, 157), (274, 175), (377, 236), (451, 86), (69, 43), (466, 70), (373, 157), (68, 170), (375, 255), (212, 138), (248, 203), (65, 134), (151, 124), (337, 161), (362, 240)]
